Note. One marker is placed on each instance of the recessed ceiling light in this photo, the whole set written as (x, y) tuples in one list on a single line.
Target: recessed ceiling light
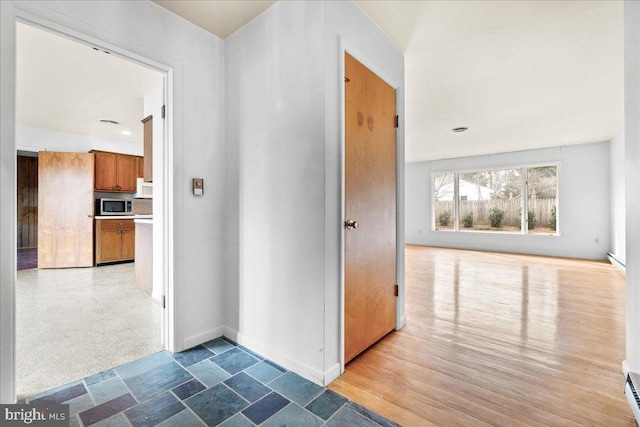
[(126, 132), (111, 122), (460, 129)]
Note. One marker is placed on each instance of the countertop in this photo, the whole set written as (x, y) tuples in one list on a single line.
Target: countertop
[(124, 216)]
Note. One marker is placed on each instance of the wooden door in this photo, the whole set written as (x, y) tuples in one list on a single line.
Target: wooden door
[(370, 200), (65, 209), (27, 183)]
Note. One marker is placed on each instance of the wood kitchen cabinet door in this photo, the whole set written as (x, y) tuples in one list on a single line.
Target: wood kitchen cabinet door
[(148, 148), (106, 171), (108, 245), (65, 209), (127, 173), (115, 240), (140, 167), (115, 172), (129, 242)]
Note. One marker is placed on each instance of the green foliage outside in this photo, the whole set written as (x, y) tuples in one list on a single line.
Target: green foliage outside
[(467, 220), (495, 216), (531, 219), (444, 218), (552, 219)]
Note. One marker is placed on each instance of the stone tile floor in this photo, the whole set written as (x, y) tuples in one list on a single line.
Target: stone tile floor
[(216, 383)]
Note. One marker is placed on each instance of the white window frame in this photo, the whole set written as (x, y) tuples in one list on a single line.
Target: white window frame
[(524, 220)]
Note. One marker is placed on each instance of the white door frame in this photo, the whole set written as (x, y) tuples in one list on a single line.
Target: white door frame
[(11, 13)]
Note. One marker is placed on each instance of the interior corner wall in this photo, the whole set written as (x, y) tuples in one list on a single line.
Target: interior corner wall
[(617, 194), (283, 131), (632, 167), (197, 224), (583, 203), (275, 135)]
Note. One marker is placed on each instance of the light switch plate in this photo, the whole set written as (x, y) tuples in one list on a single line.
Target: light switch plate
[(198, 186)]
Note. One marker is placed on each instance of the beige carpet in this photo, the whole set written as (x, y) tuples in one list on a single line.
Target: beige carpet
[(71, 323)]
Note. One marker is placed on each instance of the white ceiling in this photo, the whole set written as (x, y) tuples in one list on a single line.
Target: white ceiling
[(519, 74), (219, 17), (66, 86)]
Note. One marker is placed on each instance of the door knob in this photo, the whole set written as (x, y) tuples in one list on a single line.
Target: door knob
[(350, 224)]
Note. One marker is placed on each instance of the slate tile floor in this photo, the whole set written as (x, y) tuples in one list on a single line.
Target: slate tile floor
[(216, 383)]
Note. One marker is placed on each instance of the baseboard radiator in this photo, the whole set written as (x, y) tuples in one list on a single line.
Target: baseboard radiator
[(631, 391)]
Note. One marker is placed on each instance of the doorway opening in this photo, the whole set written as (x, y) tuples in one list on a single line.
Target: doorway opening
[(73, 320)]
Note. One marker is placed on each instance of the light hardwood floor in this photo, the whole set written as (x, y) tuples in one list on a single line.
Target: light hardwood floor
[(499, 339)]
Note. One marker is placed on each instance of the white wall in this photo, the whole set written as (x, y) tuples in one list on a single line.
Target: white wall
[(36, 139), (195, 58), (583, 204), (632, 155), (617, 194), (275, 107), (283, 129)]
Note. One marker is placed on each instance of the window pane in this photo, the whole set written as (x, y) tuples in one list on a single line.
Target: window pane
[(443, 201), (490, 200), (542, 188)]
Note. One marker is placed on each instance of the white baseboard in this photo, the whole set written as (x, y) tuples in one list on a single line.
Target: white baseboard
[(331, 374), (617, 262), (401, 323), (195, 340), (305, 371)]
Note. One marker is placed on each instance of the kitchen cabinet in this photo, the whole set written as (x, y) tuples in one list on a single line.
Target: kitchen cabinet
[(140, 167), (148, 148), (115, 173), (115, 240)]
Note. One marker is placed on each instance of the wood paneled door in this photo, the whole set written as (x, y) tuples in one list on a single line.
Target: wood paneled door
[(370, 205), (65, 209), (27, 202)]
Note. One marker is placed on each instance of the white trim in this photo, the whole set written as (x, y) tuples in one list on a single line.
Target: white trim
[(625, 368), (522, 169), (617, 263), (52, 21), (300, 368), (331, 374), (343, 48), (8, 225), (341, 52), (203, 337), (401, 323)]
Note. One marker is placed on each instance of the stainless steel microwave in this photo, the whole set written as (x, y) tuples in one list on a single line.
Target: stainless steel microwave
[(114, 207)]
